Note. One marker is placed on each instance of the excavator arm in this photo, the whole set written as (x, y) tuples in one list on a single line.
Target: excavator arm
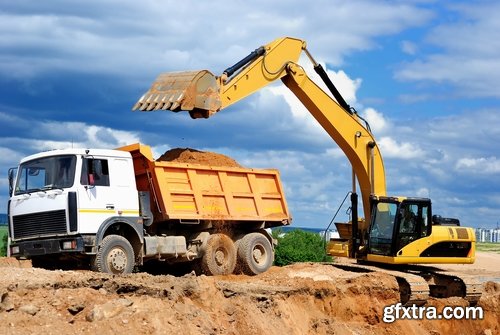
[(203, 94)]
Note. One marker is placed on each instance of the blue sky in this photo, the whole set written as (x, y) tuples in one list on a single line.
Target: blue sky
[(424, 73)]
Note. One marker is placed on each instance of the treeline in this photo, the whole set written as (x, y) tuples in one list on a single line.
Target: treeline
[(3, 244), (299, 246)]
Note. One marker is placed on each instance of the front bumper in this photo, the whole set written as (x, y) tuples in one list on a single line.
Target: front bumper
[(48, 246)]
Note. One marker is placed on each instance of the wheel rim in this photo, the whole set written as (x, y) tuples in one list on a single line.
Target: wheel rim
[(117, 260), (259, 254), (220, 257)]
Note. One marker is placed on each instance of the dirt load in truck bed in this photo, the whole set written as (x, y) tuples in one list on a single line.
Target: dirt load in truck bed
[(192, 156), (297, 299)]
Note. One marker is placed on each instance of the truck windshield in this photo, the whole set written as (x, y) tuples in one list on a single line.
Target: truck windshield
[(45, 174)]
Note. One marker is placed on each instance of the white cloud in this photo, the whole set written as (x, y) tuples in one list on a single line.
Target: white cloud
[(52, 135), (335, 152), (481, 166), (423, 192), (106, 37), (346, 86), (9, 157), (301, 118), (289, 162), (390, 148), (409, 47), (88, 136), (376, 120)]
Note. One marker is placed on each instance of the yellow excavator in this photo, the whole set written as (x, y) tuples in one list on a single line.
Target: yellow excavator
[(394, 230)]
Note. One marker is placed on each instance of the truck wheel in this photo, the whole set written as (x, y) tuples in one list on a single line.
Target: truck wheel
[(220, 256), (255, 254), (114, 255)]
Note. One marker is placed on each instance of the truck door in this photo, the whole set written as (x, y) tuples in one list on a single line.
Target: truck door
[(109, 191)]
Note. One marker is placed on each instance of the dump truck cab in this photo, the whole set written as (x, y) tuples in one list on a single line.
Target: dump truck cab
[(64, 200)]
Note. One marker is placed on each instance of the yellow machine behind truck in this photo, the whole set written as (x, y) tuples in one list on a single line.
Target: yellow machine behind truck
[(395, 230)]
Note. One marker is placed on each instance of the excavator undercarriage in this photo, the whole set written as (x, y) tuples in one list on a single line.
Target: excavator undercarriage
[(417, 283)]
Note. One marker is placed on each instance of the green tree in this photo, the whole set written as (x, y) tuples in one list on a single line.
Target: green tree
[(299, 246), (3, 249)]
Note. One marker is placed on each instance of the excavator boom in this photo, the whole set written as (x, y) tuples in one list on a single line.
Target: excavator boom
[(202, 94)]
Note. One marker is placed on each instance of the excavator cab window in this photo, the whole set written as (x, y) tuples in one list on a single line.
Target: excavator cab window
[(382, 228), (413, 222)]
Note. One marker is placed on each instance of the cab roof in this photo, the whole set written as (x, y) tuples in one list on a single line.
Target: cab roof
[(81, 152)]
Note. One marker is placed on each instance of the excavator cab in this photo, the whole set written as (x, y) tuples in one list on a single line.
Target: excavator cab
[(396, 223), (402, 231)]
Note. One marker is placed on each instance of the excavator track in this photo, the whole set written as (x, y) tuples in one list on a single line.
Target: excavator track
[(413, 289), (417, 283), (444, 284)]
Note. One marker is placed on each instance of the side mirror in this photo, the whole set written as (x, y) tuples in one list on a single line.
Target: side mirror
[(12, 174)]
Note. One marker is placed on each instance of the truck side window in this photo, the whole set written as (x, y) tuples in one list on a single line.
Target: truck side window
[(95, 169)]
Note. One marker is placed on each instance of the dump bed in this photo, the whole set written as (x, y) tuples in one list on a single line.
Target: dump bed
[(191, 192)]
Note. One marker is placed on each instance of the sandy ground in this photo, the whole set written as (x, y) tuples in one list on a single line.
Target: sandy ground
[(297, 299), (486, 267)]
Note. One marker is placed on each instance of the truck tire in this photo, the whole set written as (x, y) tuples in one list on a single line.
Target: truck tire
[(255, 254), (219, 257), (114, 255)]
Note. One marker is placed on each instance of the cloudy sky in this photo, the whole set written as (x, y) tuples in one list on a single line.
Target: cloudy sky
[(424, 73)]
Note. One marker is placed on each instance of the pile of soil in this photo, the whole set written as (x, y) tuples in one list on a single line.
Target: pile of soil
[(297, 299), (192, 156)]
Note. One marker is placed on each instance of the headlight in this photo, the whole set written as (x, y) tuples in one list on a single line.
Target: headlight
[(69, 245)]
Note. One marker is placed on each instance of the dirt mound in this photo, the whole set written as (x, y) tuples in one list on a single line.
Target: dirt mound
[(192, 156), (12, 262), (298, 299)]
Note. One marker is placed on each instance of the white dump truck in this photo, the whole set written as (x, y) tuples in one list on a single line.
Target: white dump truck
[(115, 209)]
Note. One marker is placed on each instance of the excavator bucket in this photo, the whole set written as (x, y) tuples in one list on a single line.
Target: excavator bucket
[(194, 91)]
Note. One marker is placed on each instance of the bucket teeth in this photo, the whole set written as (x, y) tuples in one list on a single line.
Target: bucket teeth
[(150, 102), (177, 101), (139, 102), (182, 91)]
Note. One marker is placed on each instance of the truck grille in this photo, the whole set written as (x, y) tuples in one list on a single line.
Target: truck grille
[(37, 224)]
